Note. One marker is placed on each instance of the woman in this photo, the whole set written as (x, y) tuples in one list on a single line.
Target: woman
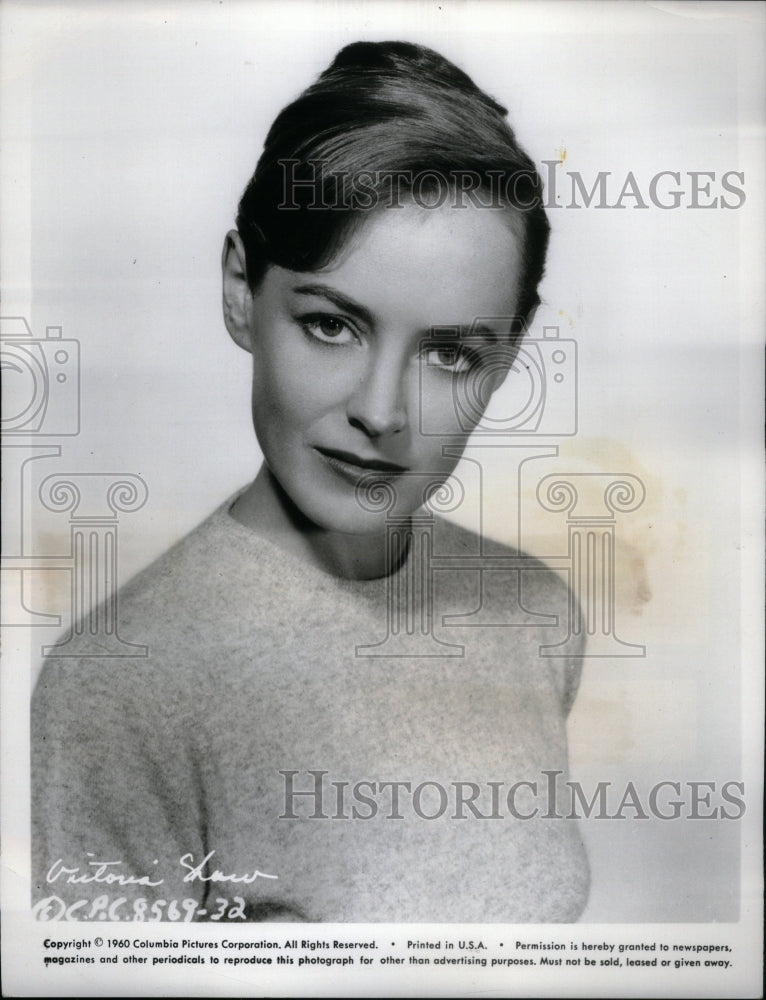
[(318, 733)]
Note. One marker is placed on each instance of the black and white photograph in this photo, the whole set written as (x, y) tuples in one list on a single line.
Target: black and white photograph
[(382, 498)]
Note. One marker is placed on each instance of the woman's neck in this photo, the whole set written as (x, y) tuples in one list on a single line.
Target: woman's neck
[(266, 509)]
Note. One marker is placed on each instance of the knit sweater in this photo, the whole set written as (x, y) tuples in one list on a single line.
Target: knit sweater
[(179, 777)]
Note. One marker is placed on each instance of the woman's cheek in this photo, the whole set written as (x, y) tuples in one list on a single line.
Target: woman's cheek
[(437, 408)]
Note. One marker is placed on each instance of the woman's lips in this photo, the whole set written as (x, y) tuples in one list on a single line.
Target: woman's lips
[(353, 467)]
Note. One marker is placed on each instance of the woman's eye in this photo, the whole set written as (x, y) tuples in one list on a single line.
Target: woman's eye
[(328, 329), (451, 358)]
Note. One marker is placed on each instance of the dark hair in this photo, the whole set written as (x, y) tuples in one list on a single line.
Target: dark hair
[(384, 118)]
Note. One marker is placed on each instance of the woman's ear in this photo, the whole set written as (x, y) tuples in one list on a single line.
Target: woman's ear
[(237, 297)]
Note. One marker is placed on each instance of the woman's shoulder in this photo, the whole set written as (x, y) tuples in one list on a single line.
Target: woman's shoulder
[(158, 611), (215, 571), (505, 589)]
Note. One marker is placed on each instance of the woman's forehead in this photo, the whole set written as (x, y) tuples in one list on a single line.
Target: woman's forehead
[(445, 264)]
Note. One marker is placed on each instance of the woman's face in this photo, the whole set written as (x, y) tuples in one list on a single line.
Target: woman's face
[(344, 388)]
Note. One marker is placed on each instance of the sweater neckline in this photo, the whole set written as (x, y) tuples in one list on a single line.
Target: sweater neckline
[(288, 562)]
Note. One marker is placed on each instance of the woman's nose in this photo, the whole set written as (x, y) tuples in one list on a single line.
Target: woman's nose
[(378, 406)]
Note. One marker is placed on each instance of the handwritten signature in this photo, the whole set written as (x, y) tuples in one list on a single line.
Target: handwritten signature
[(109, 873), (195, 872)]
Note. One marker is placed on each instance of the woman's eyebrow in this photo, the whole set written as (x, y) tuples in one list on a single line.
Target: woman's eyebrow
[(486, 331), (471, 331), (489, 333), (338, 299)]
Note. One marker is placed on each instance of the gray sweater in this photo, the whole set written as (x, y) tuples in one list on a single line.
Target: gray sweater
[(253, 692)]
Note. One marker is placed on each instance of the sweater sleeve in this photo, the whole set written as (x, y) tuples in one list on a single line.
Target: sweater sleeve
[(116, 799), (572, 676), (571, 665), (544, 592)]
